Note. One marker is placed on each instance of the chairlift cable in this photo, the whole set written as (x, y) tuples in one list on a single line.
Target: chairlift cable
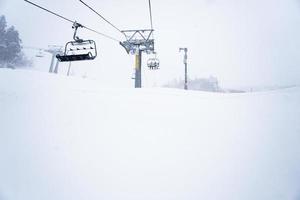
[(151, 17), (99, 33), (71, 21), (49, 11), (150, 11), (97, 13)]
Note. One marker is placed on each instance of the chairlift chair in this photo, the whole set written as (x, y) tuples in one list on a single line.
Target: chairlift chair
[(79, 49), (153, 63)]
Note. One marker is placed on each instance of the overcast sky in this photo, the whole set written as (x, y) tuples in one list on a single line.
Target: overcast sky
[(241, 42)]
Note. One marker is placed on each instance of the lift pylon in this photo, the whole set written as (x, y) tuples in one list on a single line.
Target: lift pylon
[(137, 42), (185, 50)]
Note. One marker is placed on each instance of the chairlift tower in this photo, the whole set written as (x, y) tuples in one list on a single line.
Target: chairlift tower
[(185, 67), (53, 50), (138, 42)]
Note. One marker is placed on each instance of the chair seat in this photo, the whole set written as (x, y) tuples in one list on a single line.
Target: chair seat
[(70, 58)]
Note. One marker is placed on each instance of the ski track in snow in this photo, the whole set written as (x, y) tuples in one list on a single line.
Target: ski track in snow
[(66, 138)]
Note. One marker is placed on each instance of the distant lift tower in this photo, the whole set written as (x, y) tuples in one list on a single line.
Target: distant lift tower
[(185, 67), (53, 50), (137, 42)]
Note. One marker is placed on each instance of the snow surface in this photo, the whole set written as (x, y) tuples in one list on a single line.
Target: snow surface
[(70, 139)]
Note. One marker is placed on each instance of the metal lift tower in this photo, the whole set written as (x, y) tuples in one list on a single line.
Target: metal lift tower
[(138, 41), (185, 67), (53, 50)]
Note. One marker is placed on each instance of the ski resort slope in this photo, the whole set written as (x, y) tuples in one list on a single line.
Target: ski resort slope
[(70, 139)]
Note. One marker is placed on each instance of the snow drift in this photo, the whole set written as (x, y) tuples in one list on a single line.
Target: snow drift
[(65, 138)]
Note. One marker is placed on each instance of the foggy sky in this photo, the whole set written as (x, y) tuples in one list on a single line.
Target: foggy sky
[(241, 42)]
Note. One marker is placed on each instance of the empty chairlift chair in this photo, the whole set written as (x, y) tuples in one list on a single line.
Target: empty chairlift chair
[(78, 50)]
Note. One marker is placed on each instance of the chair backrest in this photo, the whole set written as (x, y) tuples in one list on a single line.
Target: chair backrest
[(79, 51), (82, 47)]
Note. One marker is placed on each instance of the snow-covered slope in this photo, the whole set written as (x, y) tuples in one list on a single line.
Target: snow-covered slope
[(70, 139)]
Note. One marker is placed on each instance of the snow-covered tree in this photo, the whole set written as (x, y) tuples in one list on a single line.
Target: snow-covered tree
[(10, 46)]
